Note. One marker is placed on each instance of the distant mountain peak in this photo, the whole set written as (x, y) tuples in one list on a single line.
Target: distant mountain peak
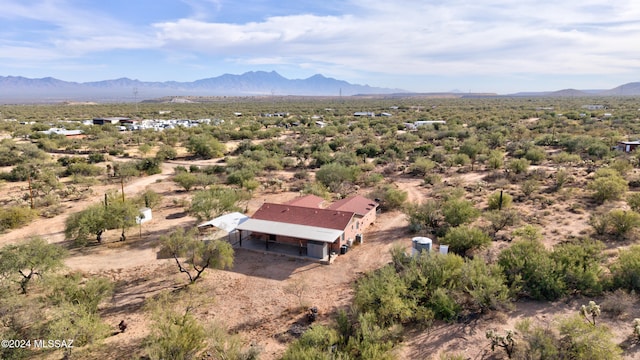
[(247, 84)]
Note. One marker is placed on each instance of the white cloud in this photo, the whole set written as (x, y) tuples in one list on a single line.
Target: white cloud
[(414, 37)]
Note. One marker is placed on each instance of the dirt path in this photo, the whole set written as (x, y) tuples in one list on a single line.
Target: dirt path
[(52, 229)]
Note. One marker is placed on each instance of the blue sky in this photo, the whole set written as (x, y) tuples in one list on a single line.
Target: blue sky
[(500, 46)]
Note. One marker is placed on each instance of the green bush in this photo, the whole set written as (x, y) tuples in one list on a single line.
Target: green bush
[(459, 211), (625, 272), (462, 239), (494, 200), (385, 294), (13, 217), (444, 306), (582, 340), (390, 198), (518, 166), (205, 146), (579, 262), (607, 185), (531, 271), (333, 175), (622, 222), (84, 169), (186, 180), (633, 200)]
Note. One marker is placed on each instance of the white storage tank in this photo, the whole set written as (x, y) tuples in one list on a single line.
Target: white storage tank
[(444, 249), (421, 244)]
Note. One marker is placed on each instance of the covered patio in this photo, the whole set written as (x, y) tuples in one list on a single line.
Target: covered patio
[(307, 242)]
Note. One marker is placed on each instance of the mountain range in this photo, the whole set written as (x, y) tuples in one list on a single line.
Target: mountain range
[(18, 89), (255, 83)]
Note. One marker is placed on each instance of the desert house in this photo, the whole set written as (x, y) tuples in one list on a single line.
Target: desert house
[(317, 232), (627, 146)]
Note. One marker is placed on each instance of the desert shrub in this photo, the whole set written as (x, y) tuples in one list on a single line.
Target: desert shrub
[(95, 158), (238, 177), (389, 197), (83, 169), (175, 334), (205, 146), (600, 223), (617, 303), (148, 198), (499, 200), (333, 175), (462, 239), (530, 186), (166, 152), (186, 180), (460, 159), (315, 343), (459, 211), (560, 178), (633, 200), (535, 155), (20, 172), (500, 219), (537, 342), (385, 294), (579, 262), (215, 201), (622, 166), (621, 222), (149, 166), (531, 271), (421, 167), (13, 217), (495, 160), (485, 284), (432, 179), (565, 158), (607, 185), (582, 340), (82, 293), (427, 216), (443, 305), (518, 166), (373, 179), (625, 272)]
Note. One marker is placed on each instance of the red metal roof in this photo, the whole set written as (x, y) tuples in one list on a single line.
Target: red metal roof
[(301, 215), (311, 201), (357, 204)]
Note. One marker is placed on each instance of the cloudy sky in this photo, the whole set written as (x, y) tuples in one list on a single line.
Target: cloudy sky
[(500, 46)]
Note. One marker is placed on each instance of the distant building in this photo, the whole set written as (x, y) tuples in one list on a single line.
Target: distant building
[(110, 120), (627, 146), (593, 107), (364, 113), (67, 133)]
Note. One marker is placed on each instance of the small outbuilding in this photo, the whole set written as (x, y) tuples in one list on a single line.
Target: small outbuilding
[(227, 223), (628, 146), (145, 216)]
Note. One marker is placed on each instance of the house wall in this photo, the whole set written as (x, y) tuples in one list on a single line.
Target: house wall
[(286, 240)]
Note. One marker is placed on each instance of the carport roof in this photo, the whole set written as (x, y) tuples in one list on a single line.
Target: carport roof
[(305, 232)]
